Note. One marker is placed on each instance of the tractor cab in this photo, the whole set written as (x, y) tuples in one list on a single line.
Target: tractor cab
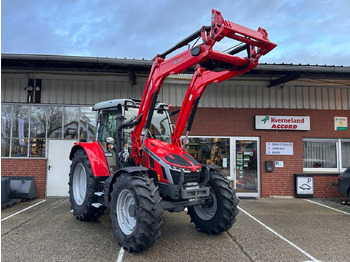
[(116, 120)]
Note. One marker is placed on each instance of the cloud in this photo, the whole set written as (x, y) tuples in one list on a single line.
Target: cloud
[(307, 32)]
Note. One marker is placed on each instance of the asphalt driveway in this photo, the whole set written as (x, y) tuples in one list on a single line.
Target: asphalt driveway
[(266, 230)]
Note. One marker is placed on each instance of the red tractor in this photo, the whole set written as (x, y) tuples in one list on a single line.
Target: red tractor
[(137, 165)]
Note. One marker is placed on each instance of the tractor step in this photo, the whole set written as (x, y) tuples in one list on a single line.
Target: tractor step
[(97, 205), (99, 193)]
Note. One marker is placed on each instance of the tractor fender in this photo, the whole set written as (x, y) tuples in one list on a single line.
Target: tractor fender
[(111, 180), (96, 157)]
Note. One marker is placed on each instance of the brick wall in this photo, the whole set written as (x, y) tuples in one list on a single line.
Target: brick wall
[(322, 186), (26, 167), (241, 122), (238, 122)]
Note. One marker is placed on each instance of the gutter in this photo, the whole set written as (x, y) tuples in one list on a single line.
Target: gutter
[(261, 68), (76, 59)]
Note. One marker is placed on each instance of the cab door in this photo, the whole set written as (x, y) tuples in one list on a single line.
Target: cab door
[(108, 128)]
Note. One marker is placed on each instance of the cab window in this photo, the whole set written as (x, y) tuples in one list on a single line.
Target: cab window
[(109, 128)]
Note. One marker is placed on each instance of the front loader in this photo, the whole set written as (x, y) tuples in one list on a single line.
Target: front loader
[(137, 165)]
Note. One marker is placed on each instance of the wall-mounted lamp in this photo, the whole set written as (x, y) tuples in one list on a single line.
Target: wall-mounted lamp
[(33, 94)]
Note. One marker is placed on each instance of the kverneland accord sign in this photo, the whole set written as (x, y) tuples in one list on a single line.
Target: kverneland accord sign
[(282, 122)]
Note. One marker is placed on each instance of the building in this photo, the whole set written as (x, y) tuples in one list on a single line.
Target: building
[(263, 127)]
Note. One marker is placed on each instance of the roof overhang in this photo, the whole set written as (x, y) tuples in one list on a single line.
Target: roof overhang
[(278, 74)]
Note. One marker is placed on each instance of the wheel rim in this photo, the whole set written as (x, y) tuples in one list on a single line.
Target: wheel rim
[(207, 211), (125, 204), (79, 184)]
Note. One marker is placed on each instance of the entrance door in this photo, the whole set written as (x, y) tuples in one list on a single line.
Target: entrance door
[(58, 166), (246, 168)]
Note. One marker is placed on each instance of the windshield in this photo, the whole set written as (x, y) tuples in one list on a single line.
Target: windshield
[(159, 129), (160, 126)]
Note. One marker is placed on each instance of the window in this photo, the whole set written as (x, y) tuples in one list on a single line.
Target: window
[(20, 130), (130, 114), (211, 151), (326, 154), (71, 122), (5, 130), (26, 128), (109, 129), (109, 125), (160, 126), (54, 121), (37, 135), (88, 119), (345, 153)]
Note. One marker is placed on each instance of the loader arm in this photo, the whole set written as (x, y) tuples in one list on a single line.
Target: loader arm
[(196, 89), (255, 42), (201, 79)]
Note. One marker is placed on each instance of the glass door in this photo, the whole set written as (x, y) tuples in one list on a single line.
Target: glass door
[(246, 168), (238, 157)]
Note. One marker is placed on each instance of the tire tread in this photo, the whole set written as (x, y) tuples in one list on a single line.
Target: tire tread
[(149, 214), (86, 212), (221, 221)]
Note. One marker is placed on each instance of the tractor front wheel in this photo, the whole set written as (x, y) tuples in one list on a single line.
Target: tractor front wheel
[(136, 212), (218, 214)]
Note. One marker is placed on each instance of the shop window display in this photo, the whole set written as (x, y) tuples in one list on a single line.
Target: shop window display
[(211, 151)]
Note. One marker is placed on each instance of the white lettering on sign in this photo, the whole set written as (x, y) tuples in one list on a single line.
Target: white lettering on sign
[(279, 148), (282, 122)]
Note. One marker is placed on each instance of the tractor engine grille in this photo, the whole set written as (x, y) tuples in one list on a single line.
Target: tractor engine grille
[(188, 177)]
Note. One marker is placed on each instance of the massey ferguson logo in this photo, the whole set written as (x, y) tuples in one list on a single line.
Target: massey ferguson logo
[(178, 61)]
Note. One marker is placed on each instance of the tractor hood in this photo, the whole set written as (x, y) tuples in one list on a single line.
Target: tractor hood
[(171, 154)]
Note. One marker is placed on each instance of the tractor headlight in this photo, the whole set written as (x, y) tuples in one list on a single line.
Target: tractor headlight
[(178, 169)]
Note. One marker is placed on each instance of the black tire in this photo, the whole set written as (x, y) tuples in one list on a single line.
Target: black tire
[(83, 197), (140, 198), (219, 214)]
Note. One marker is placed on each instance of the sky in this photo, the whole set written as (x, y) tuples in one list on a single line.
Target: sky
[(306, 31)]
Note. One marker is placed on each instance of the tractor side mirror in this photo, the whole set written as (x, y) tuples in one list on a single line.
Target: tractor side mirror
[(110, 140)]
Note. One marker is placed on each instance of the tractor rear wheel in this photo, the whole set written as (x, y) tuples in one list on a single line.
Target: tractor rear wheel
[(219, 213), (136, 212), (82, 188)]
